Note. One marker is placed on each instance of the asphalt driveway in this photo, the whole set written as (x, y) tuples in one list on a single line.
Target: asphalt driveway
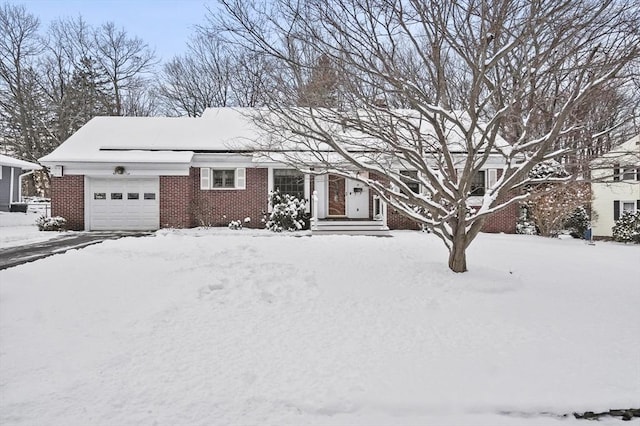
[(14, 256)]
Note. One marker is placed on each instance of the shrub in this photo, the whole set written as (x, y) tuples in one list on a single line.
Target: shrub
[(525, 224), (237, 224), (577, 223), (55, 223), (288, 213), (627, 228)]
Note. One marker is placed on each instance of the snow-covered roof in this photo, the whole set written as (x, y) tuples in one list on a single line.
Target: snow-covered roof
[(176, 139), (154, 139), (627, 152), (5, 160)]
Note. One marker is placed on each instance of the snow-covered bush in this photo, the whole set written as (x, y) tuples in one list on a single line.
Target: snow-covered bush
[(577, 222), (525, 224), (288, 213), (55, 223), (238, 224), (627, 228), (548, 168)]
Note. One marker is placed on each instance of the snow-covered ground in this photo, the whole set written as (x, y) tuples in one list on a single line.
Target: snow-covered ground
[(202, 327), (20, 228)]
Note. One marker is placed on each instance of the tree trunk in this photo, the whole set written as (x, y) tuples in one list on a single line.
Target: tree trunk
[(457, 253), (458, 257)]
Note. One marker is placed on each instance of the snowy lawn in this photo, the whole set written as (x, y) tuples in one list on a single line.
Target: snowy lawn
[(245, 327), (20, 228)]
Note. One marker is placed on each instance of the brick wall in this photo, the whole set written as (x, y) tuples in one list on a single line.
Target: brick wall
[(176, 200), (67, 200), (218, 207), (502, 221)]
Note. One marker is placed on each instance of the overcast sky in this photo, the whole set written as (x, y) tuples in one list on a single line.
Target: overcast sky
[(164, 24)]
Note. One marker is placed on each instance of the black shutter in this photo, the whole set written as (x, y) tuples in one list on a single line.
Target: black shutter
[(616, 172), (616, 210), (638, 173), (637, 205)]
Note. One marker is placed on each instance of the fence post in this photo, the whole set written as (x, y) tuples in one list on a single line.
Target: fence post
[(314, 208)]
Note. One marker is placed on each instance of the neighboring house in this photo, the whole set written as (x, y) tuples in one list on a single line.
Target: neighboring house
[(10, 183), (139, 173), (615, 186)]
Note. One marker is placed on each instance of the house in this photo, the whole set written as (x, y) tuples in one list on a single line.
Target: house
[(145, 173), (11, 173), (615, 186)]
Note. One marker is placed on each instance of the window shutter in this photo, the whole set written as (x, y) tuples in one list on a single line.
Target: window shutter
[(638, 173), (616, 173), (637, 205), (616, 210), (205, 179), (241, 180), (493, 177)]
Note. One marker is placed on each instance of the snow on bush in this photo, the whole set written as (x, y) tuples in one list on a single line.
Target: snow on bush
[(238, 224), (525, 224), (288, 213), (577, 223), (627, 228), (548, 168), (55, 223)]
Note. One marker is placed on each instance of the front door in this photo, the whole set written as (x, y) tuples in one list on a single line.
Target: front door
[(337, 191)]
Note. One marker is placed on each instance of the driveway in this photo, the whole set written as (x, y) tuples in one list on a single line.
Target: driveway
[(14, 256)]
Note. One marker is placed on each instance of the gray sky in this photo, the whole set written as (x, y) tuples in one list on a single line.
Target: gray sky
[(163, 24)]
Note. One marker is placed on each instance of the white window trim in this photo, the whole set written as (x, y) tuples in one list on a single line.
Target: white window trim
[(307, 187), (634, 203), (632, 170), (239, 181)]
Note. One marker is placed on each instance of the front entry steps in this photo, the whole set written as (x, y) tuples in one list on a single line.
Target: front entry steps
[(351, 227)]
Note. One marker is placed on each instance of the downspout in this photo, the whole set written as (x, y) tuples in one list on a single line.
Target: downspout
[(11, 179), (20, 183)]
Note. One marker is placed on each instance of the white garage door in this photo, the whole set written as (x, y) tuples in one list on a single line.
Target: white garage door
[(124, 204)]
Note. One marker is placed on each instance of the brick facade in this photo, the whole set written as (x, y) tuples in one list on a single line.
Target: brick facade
[(218, 207), (67, 200), (176, 196), (183, 204)]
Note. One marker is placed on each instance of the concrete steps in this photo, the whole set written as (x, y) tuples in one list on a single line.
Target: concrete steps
[(350, 227)]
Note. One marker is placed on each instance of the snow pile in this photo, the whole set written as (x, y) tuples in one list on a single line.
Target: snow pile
[(220, 327), (20, 228)]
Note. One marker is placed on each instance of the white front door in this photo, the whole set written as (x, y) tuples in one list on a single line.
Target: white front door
[(123, 204), (357, 200)]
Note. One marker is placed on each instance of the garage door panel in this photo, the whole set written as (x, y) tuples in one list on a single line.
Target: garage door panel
[(124, 204)]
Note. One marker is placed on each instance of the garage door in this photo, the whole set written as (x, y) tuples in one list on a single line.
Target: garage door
[(124, 204)]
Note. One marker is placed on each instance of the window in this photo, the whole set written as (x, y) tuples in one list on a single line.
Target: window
[(289, 181), (149, 196), (222, 178), (99, 196), (619, 207), (629, 173), (478, 184), (133, 196), (116, 195), (410, 178)]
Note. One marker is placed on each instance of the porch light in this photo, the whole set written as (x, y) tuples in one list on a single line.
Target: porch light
[(119, 170)]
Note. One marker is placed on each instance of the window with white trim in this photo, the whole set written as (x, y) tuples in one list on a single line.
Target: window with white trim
[(289, 181), (621, 206), (478, 184), (220, 178), (629, 173), (410, 178)]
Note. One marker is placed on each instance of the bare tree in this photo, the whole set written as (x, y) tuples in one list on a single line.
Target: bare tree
[(124, 60), (197, 80), (468, 72)]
